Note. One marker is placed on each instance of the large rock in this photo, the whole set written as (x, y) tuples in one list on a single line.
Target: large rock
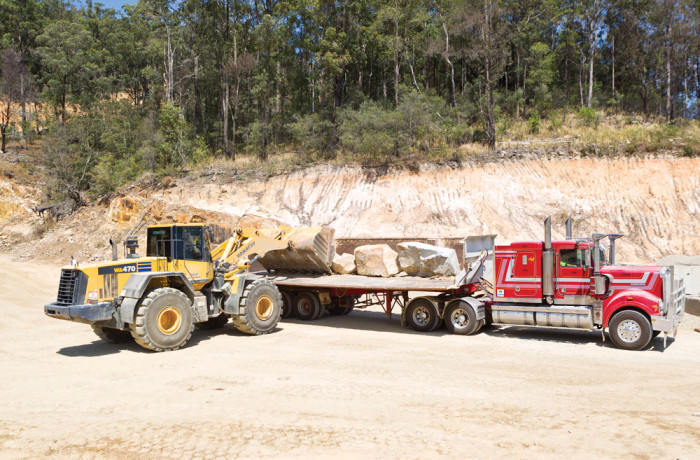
[(420, 259), (343, 264), (376, 260)]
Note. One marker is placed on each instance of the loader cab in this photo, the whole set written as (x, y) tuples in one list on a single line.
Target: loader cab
[(185, 248)]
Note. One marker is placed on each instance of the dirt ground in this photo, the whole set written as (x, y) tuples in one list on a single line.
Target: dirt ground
[(356, 386)]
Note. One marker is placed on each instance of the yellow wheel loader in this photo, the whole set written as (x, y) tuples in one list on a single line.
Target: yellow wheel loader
[(185, 281)]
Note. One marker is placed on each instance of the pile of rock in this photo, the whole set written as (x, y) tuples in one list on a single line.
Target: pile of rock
[(412, 258)]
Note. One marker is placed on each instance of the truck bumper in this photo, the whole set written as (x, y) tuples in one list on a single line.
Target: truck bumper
[(89, 313)]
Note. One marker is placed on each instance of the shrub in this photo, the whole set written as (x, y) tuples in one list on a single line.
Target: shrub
[(533, 123), (589, 116)]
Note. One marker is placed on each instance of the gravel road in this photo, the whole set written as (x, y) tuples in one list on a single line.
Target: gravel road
[(355, 386)]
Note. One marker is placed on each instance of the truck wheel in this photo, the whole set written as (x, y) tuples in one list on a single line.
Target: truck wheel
[(630, 330), (214, 322), (112, 335), (163, 321), (306, 306), (261, 308), (287, 309), (460, 318), (422, 315)]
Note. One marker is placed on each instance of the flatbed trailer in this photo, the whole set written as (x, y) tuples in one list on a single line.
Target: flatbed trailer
[(308, 296)]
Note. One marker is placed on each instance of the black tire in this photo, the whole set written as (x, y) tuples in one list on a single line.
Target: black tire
[(215, 322), (112, 335), (306, 306), (422, 315), (164, 320), (261, 308), (460, 318), (287, 310), (630, 330)]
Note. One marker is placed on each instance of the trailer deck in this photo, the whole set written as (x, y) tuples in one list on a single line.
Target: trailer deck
[(365, 283)]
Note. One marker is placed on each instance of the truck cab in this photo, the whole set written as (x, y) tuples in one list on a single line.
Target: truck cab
[(575, 283)]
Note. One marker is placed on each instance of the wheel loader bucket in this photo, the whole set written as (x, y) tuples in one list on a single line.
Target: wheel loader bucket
[(310, 249)]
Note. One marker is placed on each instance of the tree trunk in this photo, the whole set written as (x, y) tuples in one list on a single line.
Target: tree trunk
[(197, 103), (453, 97), (590, 75), (488, 90), (396, 56), (580, 80), (613, 67), (669, 109)]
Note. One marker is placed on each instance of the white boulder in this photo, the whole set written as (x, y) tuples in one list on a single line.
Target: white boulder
[(420, 259), (343, 264), (376, 260)]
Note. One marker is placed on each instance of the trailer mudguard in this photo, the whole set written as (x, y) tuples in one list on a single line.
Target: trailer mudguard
[(137, 285)]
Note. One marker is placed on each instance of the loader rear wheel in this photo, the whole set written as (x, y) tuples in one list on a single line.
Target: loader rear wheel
[(287, 305), (422, 315), (261, 308), (112, 335), (630, 330), (215, 322), (164, 320), (306, 306), (460, 318)]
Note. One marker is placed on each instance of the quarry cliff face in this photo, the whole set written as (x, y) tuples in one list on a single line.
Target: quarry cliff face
[(655, 202)]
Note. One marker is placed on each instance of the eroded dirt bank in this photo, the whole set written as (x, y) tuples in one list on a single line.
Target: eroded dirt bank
[(655, 202)]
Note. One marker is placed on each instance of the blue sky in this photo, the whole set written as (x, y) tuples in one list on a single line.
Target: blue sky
[(116, 4)]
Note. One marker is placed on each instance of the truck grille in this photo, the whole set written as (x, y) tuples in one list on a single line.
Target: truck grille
[(71, 288)]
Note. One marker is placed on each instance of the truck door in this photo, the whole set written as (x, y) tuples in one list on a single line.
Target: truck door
[(525, 271), (572, 275)]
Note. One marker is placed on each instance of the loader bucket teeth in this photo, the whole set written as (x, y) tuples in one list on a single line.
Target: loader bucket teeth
[(309, 250)]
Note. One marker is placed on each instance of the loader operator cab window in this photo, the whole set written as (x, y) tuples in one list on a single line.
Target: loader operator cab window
[(159, 242), (572, 258), (191, 245)]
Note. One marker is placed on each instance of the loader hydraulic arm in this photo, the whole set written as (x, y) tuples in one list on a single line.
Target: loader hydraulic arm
[(231, 254)]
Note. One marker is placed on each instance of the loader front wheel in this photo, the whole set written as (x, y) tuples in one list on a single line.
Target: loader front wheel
[(261, 308), (112, 335), (164, 320)]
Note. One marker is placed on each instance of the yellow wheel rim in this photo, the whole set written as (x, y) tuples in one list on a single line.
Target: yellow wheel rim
[(264, 307), (169, 320)]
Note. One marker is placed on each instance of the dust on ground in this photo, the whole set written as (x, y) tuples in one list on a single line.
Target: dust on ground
[(345, 387)]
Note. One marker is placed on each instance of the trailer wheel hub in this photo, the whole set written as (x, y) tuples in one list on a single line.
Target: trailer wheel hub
[(421, 315), (263, 307), (169, 320), (629, 331)]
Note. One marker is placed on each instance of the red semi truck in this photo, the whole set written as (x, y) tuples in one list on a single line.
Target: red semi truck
[(570, 284)]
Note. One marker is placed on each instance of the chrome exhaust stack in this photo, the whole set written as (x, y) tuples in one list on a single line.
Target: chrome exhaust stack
[(612, 237), (548, 263), (569, 231)]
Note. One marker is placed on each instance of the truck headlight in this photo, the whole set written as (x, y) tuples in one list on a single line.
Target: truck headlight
[(662, 310)]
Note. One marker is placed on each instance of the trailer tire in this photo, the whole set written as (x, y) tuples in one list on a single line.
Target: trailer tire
[(422, 315), (287, 305), (306, 306), (112, 335), (630, 330), (460, 318), (164, 320), (260, 308), (215, 322)]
